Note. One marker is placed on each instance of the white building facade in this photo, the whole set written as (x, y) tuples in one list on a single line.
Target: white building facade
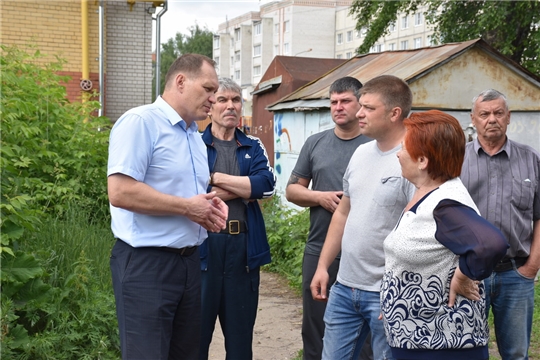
[(245, 46), (410, 31)]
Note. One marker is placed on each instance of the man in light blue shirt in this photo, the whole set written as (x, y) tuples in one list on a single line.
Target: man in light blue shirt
[(157, 179)]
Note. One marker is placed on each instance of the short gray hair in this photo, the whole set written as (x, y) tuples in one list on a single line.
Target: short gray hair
[(489, 95), (226, 84)]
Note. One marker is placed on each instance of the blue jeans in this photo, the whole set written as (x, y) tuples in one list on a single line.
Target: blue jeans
[(511, 297), (349, 317)]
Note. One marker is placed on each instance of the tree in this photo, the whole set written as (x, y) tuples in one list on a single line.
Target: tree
[(199, 41), (512, 27)]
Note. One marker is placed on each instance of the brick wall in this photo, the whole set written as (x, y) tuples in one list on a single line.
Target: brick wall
[(129, 57), (54, 26), (73, 87)]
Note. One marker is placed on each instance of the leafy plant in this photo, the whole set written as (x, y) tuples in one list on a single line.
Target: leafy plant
[(287, 232), (50, 156)]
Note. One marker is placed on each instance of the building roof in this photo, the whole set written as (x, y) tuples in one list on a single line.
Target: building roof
[(409, 65), (303, 69)]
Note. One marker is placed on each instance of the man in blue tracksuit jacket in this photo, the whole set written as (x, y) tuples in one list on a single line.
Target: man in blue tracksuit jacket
[(230, 260)]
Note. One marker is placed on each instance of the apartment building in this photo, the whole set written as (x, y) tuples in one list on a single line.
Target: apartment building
[(245, 46), (410, 31)]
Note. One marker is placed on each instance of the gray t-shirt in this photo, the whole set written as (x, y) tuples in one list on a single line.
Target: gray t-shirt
[(227, 163), (378, 195), (323, 159)]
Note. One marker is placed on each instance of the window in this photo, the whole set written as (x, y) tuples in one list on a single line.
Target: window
[(257, 50), (237, 74), (286, 26), (237, 34), (237, 56), (377, 48), (430, 40), (392, 27), (404, 22), (392, 46), (364, 31), (257, 28), (404, 44), (257, 70), (216, 59), (340, 38), (339, 56), (357, 33), (232, 60), (276, 50), (286, 48), (348, 55), (417, 19), (349, 36), (216, 42), (276, 28), (417, 42)]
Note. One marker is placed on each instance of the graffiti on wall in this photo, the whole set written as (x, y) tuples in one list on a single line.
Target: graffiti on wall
[(282, 140)]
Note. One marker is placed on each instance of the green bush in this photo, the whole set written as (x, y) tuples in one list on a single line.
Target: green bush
[(287, 231), (51, 156)]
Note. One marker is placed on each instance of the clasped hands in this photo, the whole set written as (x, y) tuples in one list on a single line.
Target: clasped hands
[(209, 211)]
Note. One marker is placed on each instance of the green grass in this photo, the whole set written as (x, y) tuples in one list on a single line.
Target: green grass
[(61, 242)]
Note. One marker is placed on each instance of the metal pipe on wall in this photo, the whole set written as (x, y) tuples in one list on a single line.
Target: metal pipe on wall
[(101, 60), (84, 34), (158, 48)]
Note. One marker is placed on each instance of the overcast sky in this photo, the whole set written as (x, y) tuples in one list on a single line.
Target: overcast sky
[(182, 14)]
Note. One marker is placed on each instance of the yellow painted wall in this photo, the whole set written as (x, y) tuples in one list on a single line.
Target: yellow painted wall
[(54, 26)]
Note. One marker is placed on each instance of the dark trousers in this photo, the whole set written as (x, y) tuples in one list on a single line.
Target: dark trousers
[(158, 302), (313, 312), (230, 292)]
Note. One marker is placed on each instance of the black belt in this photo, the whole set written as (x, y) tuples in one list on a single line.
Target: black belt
[(235, 227), (506, 264), (185, 251)]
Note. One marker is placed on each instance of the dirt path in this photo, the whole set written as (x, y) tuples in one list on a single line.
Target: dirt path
[(277, 329)]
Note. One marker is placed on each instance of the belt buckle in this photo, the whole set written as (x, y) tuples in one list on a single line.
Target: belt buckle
[(231, 231)]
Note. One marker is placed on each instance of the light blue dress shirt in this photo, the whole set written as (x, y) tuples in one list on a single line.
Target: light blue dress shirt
[(151, 144)]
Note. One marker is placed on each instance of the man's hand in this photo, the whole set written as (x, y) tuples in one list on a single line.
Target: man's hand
[(462, 285), (319, 285), (528, 271), (329, 199), (208, 211)]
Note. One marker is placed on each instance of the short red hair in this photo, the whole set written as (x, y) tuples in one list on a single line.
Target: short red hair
[(438, 137)]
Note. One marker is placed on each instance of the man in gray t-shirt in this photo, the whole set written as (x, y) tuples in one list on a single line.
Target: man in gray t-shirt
[(322, 161)]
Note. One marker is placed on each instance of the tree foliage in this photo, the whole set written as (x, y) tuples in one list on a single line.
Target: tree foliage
[(512, 27), (199, 41)]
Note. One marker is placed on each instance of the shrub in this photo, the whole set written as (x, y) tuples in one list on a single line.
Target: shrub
[(50, 156), (287, 231)]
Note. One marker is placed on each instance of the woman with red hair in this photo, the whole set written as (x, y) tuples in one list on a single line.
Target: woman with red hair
[(440, 239)]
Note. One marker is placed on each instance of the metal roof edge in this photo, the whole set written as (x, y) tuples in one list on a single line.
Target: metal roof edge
[(303, 104)]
